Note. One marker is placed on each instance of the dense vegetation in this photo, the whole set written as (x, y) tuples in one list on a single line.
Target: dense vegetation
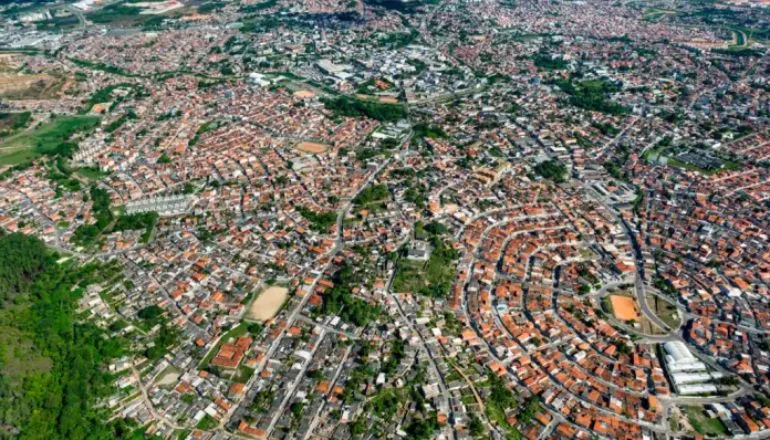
[(401, 6), (142, 220), (347, 106), (87, 235), (211, 6), (373, 193), (501, 399), (256, 7), (319, 221), (551, 169), (61, 176), (592, 95), (100, 206), (339, 300), (51, 365), (21, 260), (429, 131), (432, 277), (548, 62), (396, 40), (10, 122)]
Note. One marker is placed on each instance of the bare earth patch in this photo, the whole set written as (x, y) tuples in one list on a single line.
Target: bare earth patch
[(388, 99), (267, 304), (381, 99), (168, 378), (624, 308), (312, 147), (35, 86), (304, 94)]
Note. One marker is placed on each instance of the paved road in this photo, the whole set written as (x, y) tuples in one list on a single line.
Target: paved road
[(423, 345), (641, 299), (314, 420), (295, 313), (148, 403), (639, 288), (293, 388), (77, 13)]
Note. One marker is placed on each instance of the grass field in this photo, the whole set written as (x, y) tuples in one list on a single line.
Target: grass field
[(664, 310), (47, 138), (656, 14), (701, 422), (431, 278)]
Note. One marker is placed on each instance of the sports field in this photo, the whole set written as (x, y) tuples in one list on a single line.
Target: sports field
[(624, 308), (268, 303), (312, 147)]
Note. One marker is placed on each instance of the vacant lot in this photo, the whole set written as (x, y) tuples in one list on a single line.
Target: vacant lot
[(624, 308), (146, 14), (701, 422), (665, 310), (35, 86), (168, 378), (430, 278), (267, 303), (45, 139), (312, 147), (380, 99), (11, 62), (304, 94)]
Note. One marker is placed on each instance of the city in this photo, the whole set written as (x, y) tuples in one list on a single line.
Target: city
[(423, 219)]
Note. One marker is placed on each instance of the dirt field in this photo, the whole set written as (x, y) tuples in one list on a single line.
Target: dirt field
[(624, 308), (451, 208), (168, 377), (304, 94), (37, 86), (10, 62), (267, 304), (389, 100), (382, 99), (312, 147)]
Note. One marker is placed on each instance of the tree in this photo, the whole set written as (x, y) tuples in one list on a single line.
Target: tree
[(551, 169), (58, 402), (21, 260)]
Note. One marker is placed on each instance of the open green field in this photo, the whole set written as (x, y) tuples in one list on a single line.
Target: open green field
[(128, 14), (430, 278), (49, 138), (656, 14), (701, 422), (664, 310)]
